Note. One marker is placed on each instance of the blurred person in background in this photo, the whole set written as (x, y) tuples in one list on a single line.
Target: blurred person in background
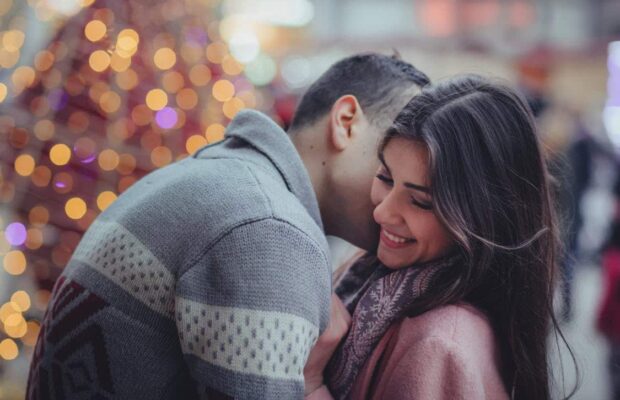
[(458, 301), (608, 320), (150, 312)]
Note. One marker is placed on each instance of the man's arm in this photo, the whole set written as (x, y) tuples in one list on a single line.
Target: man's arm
[(251, 308)]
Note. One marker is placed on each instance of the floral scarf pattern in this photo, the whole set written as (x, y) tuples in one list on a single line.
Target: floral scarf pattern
[(376, 297)]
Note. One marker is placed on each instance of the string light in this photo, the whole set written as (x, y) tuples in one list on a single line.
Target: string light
[(75, 208), (60, 154), (95, 30), (156, 99)]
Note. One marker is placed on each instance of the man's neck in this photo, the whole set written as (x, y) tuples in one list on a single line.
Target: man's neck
[(314, 159)]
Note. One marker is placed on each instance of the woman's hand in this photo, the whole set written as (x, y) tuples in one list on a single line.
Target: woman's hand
[(339, 323)]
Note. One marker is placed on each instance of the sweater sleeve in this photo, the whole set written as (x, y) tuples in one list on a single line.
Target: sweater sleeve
[(249, 311), (435, 369)]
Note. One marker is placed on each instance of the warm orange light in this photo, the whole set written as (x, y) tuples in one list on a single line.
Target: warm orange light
[(194, 143), (41, 176), (13, 40), (232, 107), (165, 58), (23, 76), (95, 30), (38, 215), (156, 99), (34, 238), (8, 59), (105, 199), (223, 90), (119, 63), (216, 52), (22, 299), (108, 160), (3, 92), (126, 164), (75, 208), (127, 80), (44, 60), (99, 60), (127, 42), (110, 101), (200, 75), (60, 154), (14, 262), (187, 98), (24, 165), (231, 66), (141, 115), (44, 129), (9, 308), (172, 81), (161, 156), (8, 349)]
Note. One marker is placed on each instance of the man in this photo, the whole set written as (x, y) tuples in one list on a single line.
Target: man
[(211, 276)]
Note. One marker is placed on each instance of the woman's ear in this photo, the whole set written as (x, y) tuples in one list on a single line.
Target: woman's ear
[(344, 115)]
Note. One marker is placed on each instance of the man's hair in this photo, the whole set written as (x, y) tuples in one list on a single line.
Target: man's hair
[(378, 82)]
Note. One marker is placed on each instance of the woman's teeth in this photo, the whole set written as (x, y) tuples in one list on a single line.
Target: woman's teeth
[(395, 238)]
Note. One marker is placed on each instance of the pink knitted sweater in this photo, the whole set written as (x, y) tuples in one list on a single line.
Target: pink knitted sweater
[(448, 353)]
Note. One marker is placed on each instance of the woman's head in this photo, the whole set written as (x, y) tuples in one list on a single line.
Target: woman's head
[(474, 145), (411, 232)]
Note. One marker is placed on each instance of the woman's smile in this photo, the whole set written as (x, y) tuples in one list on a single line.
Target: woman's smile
[(394, 241)]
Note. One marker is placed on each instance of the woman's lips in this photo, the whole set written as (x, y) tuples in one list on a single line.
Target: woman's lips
[(394, 241)]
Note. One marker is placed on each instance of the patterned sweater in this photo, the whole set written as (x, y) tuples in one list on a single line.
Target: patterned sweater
[(208, 276)]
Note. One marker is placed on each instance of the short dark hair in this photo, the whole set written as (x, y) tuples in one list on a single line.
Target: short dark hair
[(376, 81)]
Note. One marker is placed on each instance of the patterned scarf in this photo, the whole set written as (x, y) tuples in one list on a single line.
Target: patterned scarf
[(376, 297)]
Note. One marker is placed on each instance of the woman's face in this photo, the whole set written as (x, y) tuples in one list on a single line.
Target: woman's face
[(410, 230)]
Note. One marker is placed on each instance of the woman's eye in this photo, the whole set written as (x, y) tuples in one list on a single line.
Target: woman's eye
[(385, 179), (424, 206)]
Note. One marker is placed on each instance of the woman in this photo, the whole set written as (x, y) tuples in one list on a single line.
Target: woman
[(460, 304)]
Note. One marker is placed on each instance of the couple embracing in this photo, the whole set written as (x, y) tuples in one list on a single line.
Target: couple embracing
[(210, 278)]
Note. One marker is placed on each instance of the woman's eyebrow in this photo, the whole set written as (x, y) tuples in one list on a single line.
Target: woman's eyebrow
[(417, 187), (406, 184)]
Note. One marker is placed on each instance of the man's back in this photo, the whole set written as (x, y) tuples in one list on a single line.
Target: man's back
[(209, 274)]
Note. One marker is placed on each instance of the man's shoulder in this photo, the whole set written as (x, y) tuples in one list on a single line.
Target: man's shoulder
[(193, 203)]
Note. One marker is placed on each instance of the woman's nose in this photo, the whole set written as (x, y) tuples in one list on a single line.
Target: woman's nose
[(386, 212)]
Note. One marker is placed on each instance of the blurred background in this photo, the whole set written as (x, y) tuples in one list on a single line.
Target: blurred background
[(94, 94)]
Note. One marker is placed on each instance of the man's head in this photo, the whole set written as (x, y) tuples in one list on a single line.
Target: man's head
[(336, 129)]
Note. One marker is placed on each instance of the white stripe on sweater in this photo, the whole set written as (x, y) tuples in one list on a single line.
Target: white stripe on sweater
[(116, 253), (264, 343)]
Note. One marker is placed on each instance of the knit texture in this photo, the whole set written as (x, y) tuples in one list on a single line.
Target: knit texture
[(208, 276)]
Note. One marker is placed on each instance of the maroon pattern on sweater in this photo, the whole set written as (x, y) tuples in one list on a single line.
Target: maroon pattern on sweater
[(80, 364)]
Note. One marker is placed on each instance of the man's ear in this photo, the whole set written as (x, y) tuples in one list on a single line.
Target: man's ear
[(344, 115)]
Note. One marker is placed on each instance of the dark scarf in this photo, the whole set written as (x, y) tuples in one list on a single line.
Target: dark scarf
[(376, 297)]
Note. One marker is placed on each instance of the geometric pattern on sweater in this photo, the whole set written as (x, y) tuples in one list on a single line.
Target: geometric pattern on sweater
[(79, 364), (116, 253), (248, 341)]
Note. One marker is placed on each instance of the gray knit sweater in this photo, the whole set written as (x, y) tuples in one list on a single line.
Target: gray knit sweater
[(208, 276)]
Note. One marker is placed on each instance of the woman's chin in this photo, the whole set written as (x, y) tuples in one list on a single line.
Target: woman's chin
[(390, 261)]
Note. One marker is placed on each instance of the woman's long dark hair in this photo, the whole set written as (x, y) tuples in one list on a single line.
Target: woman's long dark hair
[(490, 188)]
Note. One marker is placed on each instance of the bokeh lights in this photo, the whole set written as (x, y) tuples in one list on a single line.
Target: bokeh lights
[(112, 96)]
